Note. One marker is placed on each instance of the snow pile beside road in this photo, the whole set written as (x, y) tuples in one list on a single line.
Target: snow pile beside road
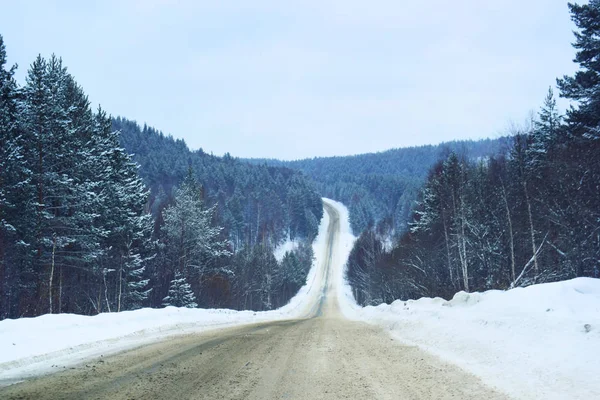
[(30, 346), (542, 341), (345, 298), (31, 337), (308, 297), (33, 346)]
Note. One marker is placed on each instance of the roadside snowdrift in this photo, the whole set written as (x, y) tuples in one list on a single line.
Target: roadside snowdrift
[(542, 341), (346, 240), (30, 346)]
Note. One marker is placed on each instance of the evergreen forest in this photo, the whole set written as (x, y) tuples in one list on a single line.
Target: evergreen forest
[(529, 213), (379, 189), (102, 215)]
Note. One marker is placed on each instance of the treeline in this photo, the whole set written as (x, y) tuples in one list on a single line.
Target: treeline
[(256, 203), (380, 188), (197, 263), (73, 225), (528, 215), (81, 232), (258, 207)]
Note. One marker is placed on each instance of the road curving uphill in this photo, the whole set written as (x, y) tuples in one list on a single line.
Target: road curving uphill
[(319, 356)]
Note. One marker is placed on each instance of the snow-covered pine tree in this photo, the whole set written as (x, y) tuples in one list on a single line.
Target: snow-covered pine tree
[(547, 128), (10, 151), (192, 241), (122, 216), (583, 87), (13, 176), (579, 178), (180, 293), (56, 128), (433, 214)]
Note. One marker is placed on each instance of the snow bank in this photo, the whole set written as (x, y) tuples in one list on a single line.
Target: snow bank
[(346, 240), (31, 346), (542, 341), (308, 297)]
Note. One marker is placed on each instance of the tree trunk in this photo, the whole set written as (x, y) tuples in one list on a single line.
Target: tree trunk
[(510, 235), (461, 241), (99, 302), (120, 286), (106, 292), (4, 298), (51, 274), (531, 230), (465, 264), (60, 289), (182, 251), (447, 240), (257, 223)]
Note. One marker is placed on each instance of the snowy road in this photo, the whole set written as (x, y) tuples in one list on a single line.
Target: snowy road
[(320, 355)]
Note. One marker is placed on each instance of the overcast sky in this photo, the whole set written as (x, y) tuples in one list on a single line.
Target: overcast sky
[(295, 79)]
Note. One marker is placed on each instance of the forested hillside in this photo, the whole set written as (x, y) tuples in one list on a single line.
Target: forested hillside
[(256, 203), (84, 229), (257, 206), (380, 188), (531, 215)]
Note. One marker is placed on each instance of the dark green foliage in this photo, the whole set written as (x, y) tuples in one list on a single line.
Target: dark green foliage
[(381, 185), (256, 203), (512, 220), (82, 232), (75, 234), (263, 283), (530, 214), (180, 293), (577, 151), (583, 86), (257, 207), (13, 175)]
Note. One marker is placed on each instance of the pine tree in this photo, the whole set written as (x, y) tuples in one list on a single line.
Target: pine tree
[(13, 177), (56, 123), (545, 132), (192, 241), (433, 214), (180, 293), (579, 179), (10, 151), (584, 86), (122, 216)]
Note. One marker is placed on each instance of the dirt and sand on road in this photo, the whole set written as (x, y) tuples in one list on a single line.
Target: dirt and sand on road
[(321, 356)]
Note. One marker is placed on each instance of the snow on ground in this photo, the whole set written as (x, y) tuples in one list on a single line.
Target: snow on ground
[(542, 341), (346, 240), (538, 342), (288, 245), (31, 346)]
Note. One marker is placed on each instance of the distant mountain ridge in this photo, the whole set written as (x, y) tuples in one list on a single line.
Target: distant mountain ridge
[(381, 188), (255, 203), (257, 206)]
